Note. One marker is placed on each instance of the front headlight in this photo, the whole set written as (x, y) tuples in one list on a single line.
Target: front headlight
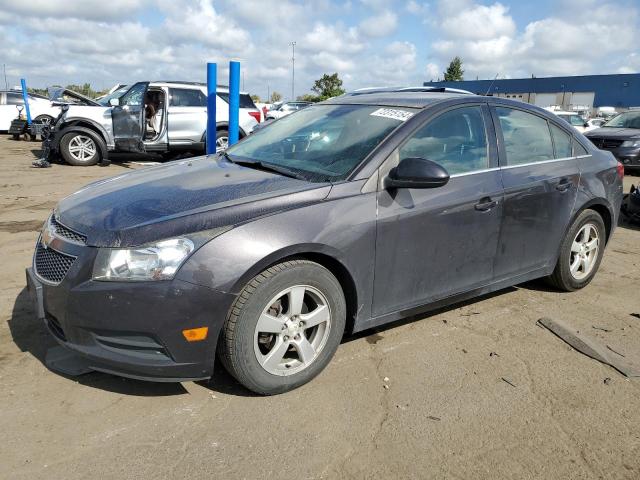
[(159, 261), (631, 143)]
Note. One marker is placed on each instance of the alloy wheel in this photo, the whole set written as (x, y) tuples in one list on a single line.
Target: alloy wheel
[(82, 148), (292, 330), (584, 251)]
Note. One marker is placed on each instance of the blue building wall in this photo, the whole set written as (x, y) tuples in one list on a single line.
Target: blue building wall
[(622, 90)]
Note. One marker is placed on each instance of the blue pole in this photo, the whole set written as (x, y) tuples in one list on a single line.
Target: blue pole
[(212, 80), (26, 100), (234, 102)]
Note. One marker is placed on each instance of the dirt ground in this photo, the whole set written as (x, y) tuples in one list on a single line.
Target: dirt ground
[(474, 391)]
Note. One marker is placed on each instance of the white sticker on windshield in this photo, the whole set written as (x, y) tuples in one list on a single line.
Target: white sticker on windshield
[(393, 114)]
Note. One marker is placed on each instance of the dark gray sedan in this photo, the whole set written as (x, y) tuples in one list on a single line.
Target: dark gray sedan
[(341, 217)]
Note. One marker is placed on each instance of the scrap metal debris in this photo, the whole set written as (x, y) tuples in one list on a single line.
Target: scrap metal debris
[(590, 347), (595, 327), (636, 315), (617, 353)]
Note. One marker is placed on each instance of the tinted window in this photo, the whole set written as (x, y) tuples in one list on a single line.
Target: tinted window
[(187, 97), (14, 99), (562, 141), (579, 149), (526, 136), (457, 140), (245, 100)]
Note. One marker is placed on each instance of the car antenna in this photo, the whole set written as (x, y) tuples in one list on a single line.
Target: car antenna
[(491, 85)]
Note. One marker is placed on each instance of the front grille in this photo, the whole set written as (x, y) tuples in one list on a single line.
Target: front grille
[(606, 143), (65, 232), (50, 264), (56, 328)]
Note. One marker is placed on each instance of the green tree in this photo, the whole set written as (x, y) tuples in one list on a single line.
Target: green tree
[(256, 98), (307, 97), (275, 97), (454, 72), (328, 86)]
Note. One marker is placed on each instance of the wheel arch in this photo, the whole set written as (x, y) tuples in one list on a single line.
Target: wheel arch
[(320, 254), (603, 208), (223, 126)]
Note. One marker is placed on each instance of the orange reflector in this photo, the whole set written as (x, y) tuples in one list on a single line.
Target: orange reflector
[(195, 334)]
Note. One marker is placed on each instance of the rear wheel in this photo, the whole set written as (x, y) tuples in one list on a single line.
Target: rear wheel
[(284, 327), (581, 252), (81, 148)]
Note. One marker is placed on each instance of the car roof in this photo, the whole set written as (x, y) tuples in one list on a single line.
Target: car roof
[(178, 83), (395, 98)]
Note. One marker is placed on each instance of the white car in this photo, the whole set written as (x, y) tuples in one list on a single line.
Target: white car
[(575, 120), (285, 109), (11, 103)]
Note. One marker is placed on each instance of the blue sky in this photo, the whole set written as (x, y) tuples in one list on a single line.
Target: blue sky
[(368, 42)]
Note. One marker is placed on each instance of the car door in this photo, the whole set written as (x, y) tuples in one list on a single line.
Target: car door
[(541, 184), (187, 115), (432, 243), (128, 119)]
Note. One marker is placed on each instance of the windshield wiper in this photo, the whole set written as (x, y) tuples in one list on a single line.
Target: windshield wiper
[(269, 167)]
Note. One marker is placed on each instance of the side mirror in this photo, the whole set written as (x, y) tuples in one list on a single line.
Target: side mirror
[(114, 102), (416, 173)]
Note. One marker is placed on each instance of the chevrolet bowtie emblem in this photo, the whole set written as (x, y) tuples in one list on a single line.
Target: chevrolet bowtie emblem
[(47, 236)]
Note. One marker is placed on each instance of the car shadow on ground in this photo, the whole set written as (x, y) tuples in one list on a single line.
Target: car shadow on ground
[(31, 335)]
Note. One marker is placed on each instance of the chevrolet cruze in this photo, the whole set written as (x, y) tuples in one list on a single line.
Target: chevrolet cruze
[(346, 215)]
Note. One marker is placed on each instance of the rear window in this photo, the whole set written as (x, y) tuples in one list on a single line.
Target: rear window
[(15, 99), (245, 100), (526, 136), (187, 97), (562, 142)]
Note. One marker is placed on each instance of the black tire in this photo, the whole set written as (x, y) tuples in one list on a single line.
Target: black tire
[(236, 345), (562, 278), (45, 119), (73, 160)]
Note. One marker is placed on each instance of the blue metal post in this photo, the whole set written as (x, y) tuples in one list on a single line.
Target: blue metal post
[(26, 100), (212, 80), (234, 102)]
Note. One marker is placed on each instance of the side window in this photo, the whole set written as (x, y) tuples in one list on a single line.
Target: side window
[(457, 140), (135, 95), (562, 141), (526, 136), (579, 149), (14, 99), (187, 97)]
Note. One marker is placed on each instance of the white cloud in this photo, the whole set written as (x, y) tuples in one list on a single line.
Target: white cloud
[(432, 72), (84, 9), (379, 25)]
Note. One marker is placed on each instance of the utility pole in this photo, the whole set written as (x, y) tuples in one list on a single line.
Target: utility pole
[(268, 94), (293, 70), (6, 84), (243, 89)]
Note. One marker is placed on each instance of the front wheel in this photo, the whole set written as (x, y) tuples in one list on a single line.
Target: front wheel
[(581, 252), (81, 148), (222, 140), (284, 327)]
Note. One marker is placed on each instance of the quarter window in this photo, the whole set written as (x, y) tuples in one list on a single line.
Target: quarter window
[(562, 141), (579, 149), (526, 136), (187, 97), (457, 140)]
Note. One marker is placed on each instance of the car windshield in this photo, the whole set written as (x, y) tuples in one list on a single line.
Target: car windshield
[(323, 143), (625, 120), (116, 94)]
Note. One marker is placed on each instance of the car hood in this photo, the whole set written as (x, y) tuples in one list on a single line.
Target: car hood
[(178, 198), (609, 132)]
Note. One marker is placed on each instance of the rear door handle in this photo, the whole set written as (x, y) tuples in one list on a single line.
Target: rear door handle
[(485, 204), (563, 185)]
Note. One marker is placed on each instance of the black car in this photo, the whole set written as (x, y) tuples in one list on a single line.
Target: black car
[(341, 217), (621, 136)]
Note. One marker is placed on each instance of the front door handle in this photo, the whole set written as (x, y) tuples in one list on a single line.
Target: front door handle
[(485, 204), (563, 185)]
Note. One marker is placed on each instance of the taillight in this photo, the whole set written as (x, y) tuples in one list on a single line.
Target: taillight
[(264, 111), (620, 169), (255, 115)]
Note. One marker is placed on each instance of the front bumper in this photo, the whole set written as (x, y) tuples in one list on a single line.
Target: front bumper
[(132, 329)]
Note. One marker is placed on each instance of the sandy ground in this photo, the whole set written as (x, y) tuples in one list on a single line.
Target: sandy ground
[(474, 391)]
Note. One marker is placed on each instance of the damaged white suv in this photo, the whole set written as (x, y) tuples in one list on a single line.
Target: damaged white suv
[(152, 117)]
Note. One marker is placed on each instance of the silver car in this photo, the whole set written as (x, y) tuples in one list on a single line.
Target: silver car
[(153, 117)]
